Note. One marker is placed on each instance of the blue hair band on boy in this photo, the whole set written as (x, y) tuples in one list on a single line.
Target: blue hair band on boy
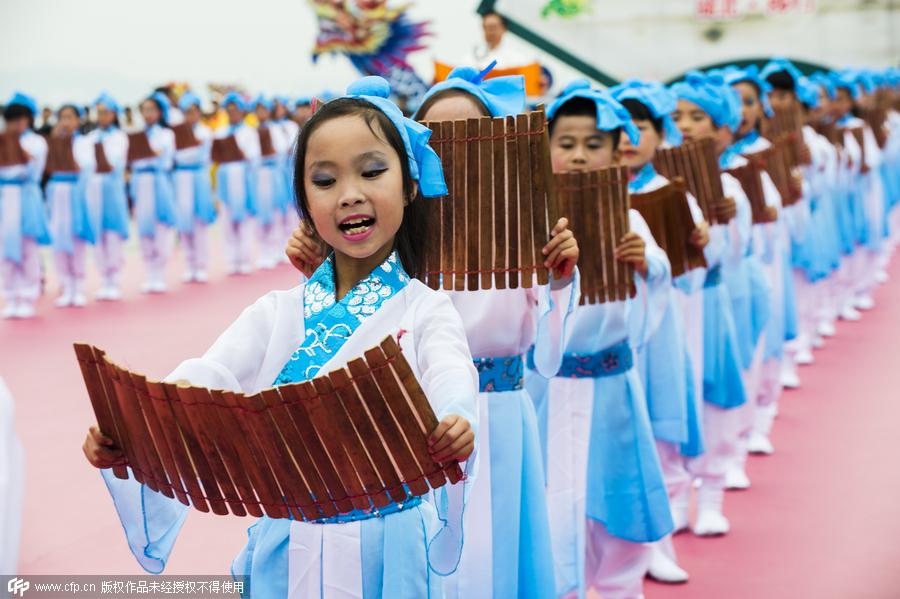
[(188, 100), (236, 99), (424, 164), (658, 100), (610, 114), (502, 96), (265, 102), (824, 79), (24, 100), (779, 64), (808, 92), (734, 75), (163, 102), (108, 101)]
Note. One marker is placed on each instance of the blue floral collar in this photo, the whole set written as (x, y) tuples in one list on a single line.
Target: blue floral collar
[(329, 323), (642, 178)]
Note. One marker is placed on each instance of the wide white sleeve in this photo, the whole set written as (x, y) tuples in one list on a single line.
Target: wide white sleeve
[(85, 155), (692, 281), (648, 307), (446, 371), (766, 236), (234, 360), (36, 146), (115, 146), (553, 308)]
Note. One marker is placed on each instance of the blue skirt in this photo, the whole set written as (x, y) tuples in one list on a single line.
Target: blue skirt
[(722, 382)]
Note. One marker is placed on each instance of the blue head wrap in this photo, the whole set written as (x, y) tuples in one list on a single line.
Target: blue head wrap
[(847, 81), (501, 95), (865, 79), (710, 93), (658, 100), (610, 114), (327, 95), (108, 101), (266, 102), (24, 100), (824, 79), (733, 75), (808, 92), (189, 99), (163, 102), (424, 164), (780, 64), (302, 101), (236, 99)]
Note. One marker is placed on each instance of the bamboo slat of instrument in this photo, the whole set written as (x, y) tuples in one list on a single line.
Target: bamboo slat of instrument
[(226, 149), (526, 201), (501, 249), (60, 155), (749, 176), (514, 198), (860, 137), (459, 205), (184, 136), (445, 257), (473, 211), (540, 196), (486, 250)]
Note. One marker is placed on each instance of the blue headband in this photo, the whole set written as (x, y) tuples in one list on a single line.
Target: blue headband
[(734, 75), (824, 79), (266, 102), (163, 102), (781, 65), (236, 99), (808, 92), (847, 81), (658, 100), (24, 100), (501, 95), (189, 99), (303, 101), (424, 164), (610, 114), (711, 94), (108, 101), (866, 80)]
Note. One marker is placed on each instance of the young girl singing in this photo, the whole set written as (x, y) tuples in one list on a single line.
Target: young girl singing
[(107, 201), (361, 172), (508, 549)]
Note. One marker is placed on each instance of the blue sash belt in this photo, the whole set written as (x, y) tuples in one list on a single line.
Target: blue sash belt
[(19, 182), (62, 177), (500, 374), (357, 515), (188, 167), (615, 359)]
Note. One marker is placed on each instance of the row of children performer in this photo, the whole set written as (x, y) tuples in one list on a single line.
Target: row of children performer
[(87, 205), (593, 424)]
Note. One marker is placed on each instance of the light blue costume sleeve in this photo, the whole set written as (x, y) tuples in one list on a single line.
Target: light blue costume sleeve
[(151, 520), (553, 311), (648, 307)]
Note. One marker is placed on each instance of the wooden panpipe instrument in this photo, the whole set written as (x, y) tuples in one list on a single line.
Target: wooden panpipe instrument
[(785, 127), (596, 204), (184, 136), (354, 439), (60, 156), (11, 151), (226, 149), (668, 215), (775, 162), (750, 178), (697, 163), (103, 165), (488, 232), (139, 147)]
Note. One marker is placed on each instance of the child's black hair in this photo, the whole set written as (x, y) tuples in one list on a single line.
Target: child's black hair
[(72, 107), (451, 92), (582, 107), (411, 237), (18, 111), (492, 13), (782, 80), (163, 122), (639, 112)]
